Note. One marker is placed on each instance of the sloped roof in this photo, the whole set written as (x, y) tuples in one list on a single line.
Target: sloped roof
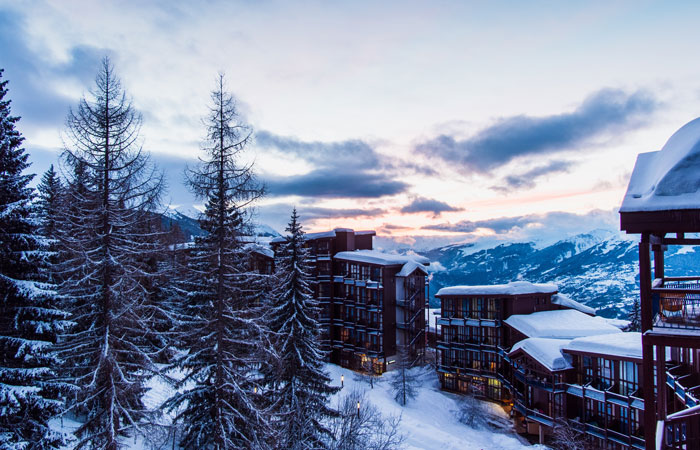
[(668, 179), (560, 324), (547, 352), (626, 345), (512, 288), (565, 300)]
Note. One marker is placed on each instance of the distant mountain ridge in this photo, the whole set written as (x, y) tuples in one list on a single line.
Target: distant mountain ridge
[(190, 226), (599, 268)]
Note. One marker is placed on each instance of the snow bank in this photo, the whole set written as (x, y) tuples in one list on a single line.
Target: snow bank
[(568, 302), (668, 179), (561, 324), (512, 288), (545, 351), (626, 345)]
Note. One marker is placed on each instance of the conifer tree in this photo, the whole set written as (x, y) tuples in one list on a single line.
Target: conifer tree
[(221, 327), (404, 382), (110, 190), (301, 387), (28, 321), (50, 205), (635, 317)]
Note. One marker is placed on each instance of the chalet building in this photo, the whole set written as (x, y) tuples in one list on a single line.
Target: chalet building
[(373, 303), (546, 356), (662, 206)]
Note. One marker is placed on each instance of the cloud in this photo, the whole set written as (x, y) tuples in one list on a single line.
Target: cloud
[(323, 183), (343, 169), (277, 214), (422, 204), (355, 151), (556, 222), (606, 111), (526, 180), (33, 79)]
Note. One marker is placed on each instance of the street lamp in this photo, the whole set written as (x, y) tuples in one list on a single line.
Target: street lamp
[(255, 390), (342, 381), (358, 409)]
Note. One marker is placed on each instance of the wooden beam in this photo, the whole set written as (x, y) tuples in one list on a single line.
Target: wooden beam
[(649, 397)]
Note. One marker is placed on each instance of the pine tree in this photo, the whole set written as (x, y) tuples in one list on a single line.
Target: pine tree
[(404, 382), (109, 194), (28, 321), (635, 317), (301, 387), (221, 328), (50, 205)]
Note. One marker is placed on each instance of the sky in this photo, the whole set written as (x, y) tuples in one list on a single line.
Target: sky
[(426, 121)]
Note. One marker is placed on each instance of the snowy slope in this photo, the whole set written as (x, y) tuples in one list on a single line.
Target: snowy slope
[(428, 421)]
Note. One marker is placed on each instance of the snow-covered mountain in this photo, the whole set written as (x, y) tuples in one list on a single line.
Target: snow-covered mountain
[(599, 269), (190, 225)]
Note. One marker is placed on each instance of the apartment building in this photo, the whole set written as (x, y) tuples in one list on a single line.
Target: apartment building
[(546, 357), (373, 303)]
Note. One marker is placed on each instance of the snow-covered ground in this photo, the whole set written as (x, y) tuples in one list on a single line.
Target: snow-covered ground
[(428, 421)]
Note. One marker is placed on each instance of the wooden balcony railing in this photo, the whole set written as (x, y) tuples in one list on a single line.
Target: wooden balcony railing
[(676, 302), (680, 430)]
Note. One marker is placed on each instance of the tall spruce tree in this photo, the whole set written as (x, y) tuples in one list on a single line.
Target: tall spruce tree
[(221, 328), (301, 387), (111, 188), (28, 320)]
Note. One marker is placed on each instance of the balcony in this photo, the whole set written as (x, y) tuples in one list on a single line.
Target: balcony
[(685, 383), (676, 303), (680, 430)]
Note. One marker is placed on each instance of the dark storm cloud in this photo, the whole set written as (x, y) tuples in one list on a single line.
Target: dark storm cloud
[(343, 169), (606, 111), (553, 220), (338, 183), (527, 179), (422, 204), (31, 78)]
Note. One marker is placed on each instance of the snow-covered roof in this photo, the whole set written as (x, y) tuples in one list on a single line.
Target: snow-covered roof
[(261, 249), (568, 302), (328, 234), (668, 179), (545, 351), (626, 345), (410, 267), (381, 258), (512, 288), (560, 324)]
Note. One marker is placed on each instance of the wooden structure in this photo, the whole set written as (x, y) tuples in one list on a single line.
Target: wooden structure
[(662, 205)]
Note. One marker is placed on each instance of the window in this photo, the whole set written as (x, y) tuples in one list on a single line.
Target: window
[(629, 377)]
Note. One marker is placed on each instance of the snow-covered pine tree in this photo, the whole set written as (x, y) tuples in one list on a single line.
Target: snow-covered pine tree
[(111, 187), (50, 204), (221, 329), (300, 386), (404, 381), (635, 317), (28, 320)]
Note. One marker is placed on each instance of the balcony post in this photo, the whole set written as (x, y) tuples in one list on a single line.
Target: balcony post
[(661, 382), (647, 347)]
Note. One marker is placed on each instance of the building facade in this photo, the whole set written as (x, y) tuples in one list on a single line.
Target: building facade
[(372, 303), (546, 357)]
